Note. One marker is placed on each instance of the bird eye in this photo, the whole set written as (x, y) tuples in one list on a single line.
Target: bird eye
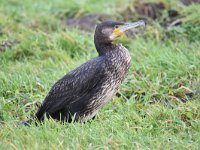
[(116, 26)]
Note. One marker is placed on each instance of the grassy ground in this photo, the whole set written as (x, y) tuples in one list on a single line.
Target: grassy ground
[(154, 109)]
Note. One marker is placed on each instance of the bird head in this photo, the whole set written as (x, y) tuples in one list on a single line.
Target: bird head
[(108, 31)]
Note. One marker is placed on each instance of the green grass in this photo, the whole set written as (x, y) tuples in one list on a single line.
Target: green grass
[(147, 113)]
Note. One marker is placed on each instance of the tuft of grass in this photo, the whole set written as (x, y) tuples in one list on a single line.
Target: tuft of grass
[(157, 107)]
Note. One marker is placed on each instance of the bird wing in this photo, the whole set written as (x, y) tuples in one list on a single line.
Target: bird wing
[(72, 86)]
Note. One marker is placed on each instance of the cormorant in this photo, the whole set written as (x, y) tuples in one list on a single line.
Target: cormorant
[(86, 89)]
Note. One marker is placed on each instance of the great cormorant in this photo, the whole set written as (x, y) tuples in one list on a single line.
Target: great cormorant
[(86, 89)]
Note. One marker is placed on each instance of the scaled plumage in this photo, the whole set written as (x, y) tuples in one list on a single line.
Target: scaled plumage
[(86, 89)]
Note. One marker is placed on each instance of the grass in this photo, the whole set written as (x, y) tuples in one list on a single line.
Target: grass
[(147, 113)]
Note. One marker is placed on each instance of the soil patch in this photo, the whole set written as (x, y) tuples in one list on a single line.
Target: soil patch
[(143, 11), (189, 2), (135, 11), (173, 19), (152, 11), (86, 23)]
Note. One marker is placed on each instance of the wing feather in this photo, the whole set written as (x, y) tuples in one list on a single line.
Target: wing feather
[(72, 86)]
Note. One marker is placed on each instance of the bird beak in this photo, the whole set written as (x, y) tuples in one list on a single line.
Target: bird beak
[(123, 28)]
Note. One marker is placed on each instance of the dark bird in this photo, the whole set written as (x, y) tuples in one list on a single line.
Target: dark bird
[(82, 92)]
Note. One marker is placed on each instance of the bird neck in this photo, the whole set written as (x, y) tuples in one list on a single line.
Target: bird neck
[(104, 48)]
